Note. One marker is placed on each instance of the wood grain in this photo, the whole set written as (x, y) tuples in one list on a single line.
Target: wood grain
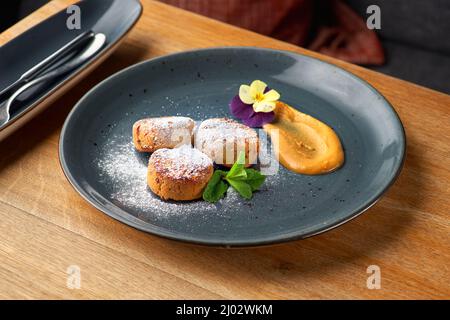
[(45, 226)]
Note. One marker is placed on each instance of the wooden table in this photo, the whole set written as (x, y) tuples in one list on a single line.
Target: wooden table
[(45, 226)]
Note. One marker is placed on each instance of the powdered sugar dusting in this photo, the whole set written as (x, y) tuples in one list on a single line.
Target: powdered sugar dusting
[(182, 162), (125, 170), (162, 123), (163, 132), (220, 138), (224, 128)]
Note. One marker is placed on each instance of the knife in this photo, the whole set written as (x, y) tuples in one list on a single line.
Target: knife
[(41, 66)]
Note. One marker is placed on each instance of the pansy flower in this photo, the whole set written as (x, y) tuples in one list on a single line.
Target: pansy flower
[(254, 104)]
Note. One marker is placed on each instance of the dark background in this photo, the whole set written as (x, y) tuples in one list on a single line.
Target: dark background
[(12, 11), (415, 36)]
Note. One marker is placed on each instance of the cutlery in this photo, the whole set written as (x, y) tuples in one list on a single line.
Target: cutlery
[(41, 66), (94, 46)]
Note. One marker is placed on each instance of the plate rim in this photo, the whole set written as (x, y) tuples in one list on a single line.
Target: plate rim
[(277, 239)]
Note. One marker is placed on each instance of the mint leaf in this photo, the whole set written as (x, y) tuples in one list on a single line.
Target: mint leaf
[(237, 170), (216, 187), (242, 187), (243, 180), (254, 178), (238, 175)]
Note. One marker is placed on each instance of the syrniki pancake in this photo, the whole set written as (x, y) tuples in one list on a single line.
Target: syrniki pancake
[(222, 139)]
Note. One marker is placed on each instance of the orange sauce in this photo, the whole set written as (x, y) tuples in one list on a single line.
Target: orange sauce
[(304, 144)]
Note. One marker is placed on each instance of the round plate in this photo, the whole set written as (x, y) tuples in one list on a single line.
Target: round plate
[(98, 158)]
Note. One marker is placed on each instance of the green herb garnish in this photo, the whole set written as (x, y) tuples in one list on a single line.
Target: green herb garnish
[(254, 178), (216, 188), (243, 180)]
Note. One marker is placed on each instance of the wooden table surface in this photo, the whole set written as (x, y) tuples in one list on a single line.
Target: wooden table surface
[(45, 226)]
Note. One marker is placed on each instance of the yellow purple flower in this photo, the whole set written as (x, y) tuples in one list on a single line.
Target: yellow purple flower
[(255, 94)]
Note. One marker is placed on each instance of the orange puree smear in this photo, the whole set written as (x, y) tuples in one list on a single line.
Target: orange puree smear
[(304, 144)]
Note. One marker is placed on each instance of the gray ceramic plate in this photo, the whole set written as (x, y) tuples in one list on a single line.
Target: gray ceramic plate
[(114, 18), (97, 154)]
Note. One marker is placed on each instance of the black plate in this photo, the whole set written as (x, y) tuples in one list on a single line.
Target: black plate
[(98, 157)]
